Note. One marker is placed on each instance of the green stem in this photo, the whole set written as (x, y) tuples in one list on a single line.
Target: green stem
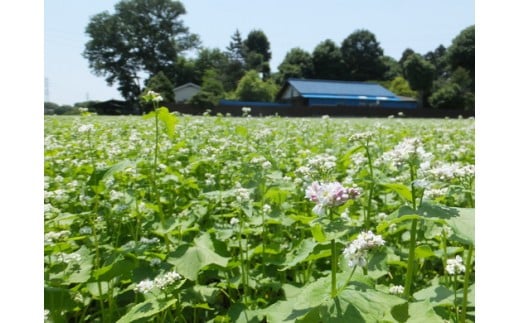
[(348, 279), (411, 251), (454, 277), (369, 203), (333, 267), (242, 263), (411, 261), (466, 282)]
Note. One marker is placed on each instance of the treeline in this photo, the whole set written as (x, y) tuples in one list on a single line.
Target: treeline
[(149, 38)]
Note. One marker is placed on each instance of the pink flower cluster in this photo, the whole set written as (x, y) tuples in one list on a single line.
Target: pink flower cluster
[(327, 195)]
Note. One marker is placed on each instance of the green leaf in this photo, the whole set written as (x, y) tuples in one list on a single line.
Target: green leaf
[(346, 158), (57, 299), (168, 120), (146, 309), (424, 251), (401, 189), (301, 252), (189, 260), (317, 233), (100, 174), (421, 312), (435, 294), (241, 131), (122, 269), (463, 225)]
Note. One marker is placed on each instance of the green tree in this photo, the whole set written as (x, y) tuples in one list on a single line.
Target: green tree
[(406, 53), (212, 90), (461, 53), (454, 93), (257, 52), (448, 96), (209, 59), (235, 68), (297, 63), (236, 47), (438, 59), (141, 37), (362, 57), (400, 86), (160, 84), (252, 88), (419, 74), (393, 69), (327, 61)]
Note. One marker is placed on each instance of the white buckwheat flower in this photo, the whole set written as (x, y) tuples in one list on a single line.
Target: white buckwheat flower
[(356, 252), (455, 266), (144, 286), (396, 290), (85, 127), (167, 279), (328, 195)]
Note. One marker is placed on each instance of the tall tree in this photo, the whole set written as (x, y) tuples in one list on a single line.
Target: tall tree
[(209, 59), (252, 88), (439, 60), (362, 56), (141, 37), (461, 53), (257, 51), (236, 47), (211, 90), (297, 63), (236, 66), (327, 61), (419, 74), (406, 53)]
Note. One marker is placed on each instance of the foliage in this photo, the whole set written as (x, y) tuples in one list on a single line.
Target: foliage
[(206, 219), (210, 92), (362, 56), (461, 53), (419, 74), (296, 64), (393, 69), (257, 52), (439, 60), (252, 88), (454, 93), (160, 84), (327, 61), (401, 87), (141, 37)]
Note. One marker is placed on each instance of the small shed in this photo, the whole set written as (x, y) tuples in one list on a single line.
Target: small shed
[(340, 93), (185, 92)]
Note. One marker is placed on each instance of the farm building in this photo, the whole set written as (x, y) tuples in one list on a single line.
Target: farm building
[(185, 92), (340, 93)]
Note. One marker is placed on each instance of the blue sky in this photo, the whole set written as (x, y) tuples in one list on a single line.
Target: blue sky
[(397, 25)]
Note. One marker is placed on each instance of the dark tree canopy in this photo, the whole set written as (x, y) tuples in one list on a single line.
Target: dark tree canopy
[(160, 84), (419, 72), (461, 53), (297, 63), (141, 37), (362, 57), (420, 75), (257, 51), (438, 59), (327, 62)]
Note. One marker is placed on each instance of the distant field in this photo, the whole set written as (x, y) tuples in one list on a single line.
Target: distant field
[(216, 219)]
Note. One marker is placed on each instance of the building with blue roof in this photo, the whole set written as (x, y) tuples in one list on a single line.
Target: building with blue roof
[(341, 93)]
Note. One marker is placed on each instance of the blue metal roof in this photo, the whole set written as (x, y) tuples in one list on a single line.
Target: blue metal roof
[(323, 88)]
